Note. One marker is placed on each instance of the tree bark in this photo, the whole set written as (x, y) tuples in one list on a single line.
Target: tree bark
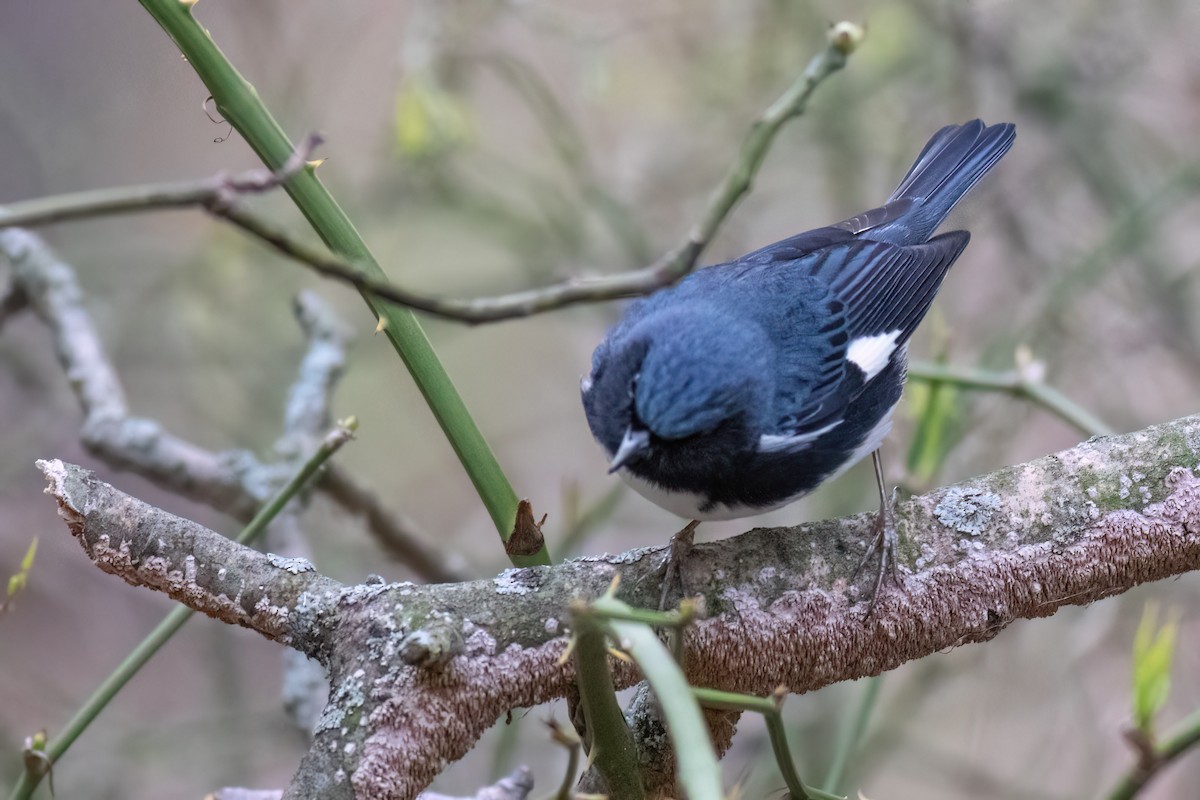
[(418, 673)]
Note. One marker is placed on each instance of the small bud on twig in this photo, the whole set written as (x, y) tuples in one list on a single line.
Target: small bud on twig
[(846, 36)]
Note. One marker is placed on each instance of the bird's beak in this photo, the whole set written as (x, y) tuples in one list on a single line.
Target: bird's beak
[(633, 445)]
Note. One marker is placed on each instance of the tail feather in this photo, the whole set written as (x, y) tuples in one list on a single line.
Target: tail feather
[(953, 161)]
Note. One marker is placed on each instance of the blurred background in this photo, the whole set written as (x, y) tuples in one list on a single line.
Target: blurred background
[(488, 146)]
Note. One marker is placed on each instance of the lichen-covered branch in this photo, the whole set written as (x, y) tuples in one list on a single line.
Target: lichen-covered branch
[(515, 786), (146, 546), (418, 673)]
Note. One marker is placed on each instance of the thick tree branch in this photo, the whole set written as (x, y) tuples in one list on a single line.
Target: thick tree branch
[(202, 569), (419, 672), (515, 786)]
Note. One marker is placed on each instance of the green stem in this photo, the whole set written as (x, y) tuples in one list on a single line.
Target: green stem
[(174, 620), (673, 620), (1185, 737), (1013, 383), (769, 708), (852, 734), (239, 103), (611, 750), (698, 770)]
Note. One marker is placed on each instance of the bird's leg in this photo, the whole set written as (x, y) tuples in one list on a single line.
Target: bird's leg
[(884, 541), (681, 545)]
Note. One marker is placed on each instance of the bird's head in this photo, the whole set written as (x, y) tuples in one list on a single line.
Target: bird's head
[(685, 384)]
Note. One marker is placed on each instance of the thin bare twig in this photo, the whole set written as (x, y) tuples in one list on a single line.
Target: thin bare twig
[(393, 531), (213, 193), (218, 196)]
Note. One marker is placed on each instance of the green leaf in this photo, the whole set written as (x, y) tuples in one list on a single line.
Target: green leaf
[(17, 582), (429, 120), (1153, 652)]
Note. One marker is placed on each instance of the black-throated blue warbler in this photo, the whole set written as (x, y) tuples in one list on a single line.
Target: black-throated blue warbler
[(748, 384)]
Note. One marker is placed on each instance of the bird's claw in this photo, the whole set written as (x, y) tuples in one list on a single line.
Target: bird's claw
[(883, 544), (681, 545)]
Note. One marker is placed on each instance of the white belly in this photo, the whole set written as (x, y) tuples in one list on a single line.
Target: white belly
[(688, 505)]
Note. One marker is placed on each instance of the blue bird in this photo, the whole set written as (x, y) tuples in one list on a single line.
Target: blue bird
[(748, 384)]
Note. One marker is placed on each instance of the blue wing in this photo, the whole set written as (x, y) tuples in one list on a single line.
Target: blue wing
[(841, 300)]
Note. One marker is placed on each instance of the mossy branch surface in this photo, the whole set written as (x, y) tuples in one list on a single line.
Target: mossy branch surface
[(418, 673)]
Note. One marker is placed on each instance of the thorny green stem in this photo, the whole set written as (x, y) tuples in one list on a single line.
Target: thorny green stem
[(238, 102), (769, 708), (611, 748), (699, 771)]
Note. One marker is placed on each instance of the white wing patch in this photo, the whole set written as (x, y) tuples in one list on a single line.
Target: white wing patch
[(871, 353), (585, 383), (773, 442)]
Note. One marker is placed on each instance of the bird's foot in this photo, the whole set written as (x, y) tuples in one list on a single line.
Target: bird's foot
[(681, 546), (883, 544)]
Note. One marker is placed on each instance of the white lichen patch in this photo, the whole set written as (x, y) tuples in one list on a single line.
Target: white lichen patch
[(292, 565), (347, 698), (362, 593), (1030, 495), (477, 640), (968, 510), (551, 625), (818, 569), (628, 557), (519, 580), (632, 556), (743, 603), (265, 608), (305, 611)]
